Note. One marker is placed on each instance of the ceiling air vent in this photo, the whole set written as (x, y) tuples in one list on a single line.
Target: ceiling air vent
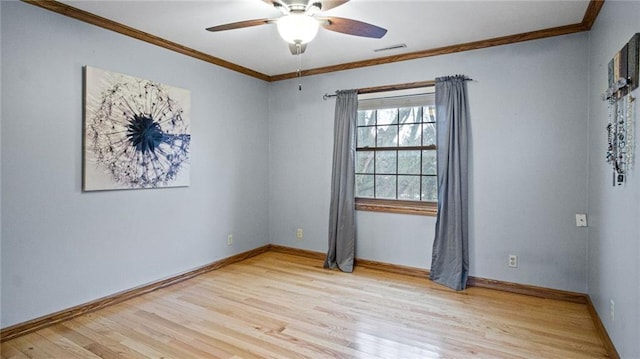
[(392, 47)]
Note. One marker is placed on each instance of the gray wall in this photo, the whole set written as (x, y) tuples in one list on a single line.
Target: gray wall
[(531, 144), (529, 124), (614, 225), (0, 165), (62, 247)]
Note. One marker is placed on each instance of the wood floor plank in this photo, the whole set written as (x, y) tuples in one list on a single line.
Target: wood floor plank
[(10, 351), (58, 348), (31, 345), (279, 305), (70, 349)]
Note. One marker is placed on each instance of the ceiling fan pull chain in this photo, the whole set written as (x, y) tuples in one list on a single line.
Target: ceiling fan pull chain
[(299, 54)]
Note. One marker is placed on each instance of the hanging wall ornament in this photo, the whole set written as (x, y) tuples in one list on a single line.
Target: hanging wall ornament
[(630, 136), (623, 73), (620, 137)]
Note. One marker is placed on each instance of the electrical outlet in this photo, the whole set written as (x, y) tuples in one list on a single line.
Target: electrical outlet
[(581, 220), (513, 261), (299, 233), (612, 309), (229, 239)]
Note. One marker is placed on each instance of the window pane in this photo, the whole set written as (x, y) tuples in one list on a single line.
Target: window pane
[(428, 114), (409, 114), (387, 116), (386, 162), (389, 162), (428, 134), (366, 118), (364, 186), (430, 188), (366, 137), (409, 188), (429, 162), (409, 162), (364, 161), (387, 136), (386, 187), (410, 135)]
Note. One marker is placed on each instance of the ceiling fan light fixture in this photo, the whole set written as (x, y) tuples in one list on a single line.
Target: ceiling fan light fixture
[(297, 28)]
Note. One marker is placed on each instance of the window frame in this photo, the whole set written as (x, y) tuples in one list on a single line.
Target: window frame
[(426, 208)]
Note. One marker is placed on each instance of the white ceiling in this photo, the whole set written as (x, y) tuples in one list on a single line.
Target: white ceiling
[(420, 24)]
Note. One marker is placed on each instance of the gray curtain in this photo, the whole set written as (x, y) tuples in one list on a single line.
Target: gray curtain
[(342, 226), (450, 259)]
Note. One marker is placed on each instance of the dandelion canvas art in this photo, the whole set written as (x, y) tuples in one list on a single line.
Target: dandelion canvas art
[(136, 132)]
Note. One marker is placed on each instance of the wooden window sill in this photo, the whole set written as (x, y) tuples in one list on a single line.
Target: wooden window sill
[(393, 206)]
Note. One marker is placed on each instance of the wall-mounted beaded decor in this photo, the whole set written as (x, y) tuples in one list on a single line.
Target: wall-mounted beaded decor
[(623, 79)]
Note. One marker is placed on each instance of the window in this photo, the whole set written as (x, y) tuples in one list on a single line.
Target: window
[(396, 152)]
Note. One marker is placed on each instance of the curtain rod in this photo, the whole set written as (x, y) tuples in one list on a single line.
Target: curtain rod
[(404, 86)]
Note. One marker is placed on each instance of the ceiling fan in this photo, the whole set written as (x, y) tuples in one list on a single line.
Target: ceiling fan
[(300, 21)]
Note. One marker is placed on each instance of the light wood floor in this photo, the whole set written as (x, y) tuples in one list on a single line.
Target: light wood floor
[(283, 306)]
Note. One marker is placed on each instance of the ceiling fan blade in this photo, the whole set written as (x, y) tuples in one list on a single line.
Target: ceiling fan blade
[(239, 24), (352, 27), (294, 49)]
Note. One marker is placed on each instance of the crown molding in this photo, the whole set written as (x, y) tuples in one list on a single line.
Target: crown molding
[(105, 23), (587, 22), (592, 13), (468, 46)]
